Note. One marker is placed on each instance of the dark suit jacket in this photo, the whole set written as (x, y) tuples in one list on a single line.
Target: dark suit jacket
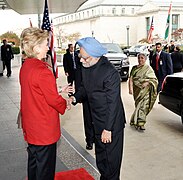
[(177, 59), (6, 52), (101, 85), (165, 65), (68, 63)]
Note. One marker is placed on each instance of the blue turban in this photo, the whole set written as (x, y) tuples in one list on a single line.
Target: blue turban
[(92, 47)]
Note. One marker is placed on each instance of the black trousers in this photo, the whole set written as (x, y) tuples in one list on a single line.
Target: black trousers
[(72, 76), (109, 157), (41, 162), (8, 66), (88, 123)]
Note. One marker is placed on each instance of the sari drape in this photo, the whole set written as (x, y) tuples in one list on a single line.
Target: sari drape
[(144, 97)]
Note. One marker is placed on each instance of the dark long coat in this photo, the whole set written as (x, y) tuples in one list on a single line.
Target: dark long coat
[(101, 85), (69, 66), (177, 60)]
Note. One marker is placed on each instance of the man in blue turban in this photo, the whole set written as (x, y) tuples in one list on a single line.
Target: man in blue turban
[(101, 86)]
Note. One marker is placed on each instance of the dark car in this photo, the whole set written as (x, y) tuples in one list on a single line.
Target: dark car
[(171, 95), (117, 57)]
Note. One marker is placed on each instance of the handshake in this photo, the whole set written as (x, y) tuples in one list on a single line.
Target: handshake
[(70, 91)]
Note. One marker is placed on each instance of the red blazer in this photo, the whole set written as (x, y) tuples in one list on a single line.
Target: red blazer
[(40, 103)]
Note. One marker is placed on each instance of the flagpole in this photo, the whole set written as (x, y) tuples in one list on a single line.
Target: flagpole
[(46, 25), (30, 22), (170, 30), (39, 20)]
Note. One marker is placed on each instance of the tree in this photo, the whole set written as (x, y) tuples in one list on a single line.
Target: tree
[(178, 34), (73, 37), (63, 38), (144, 40), (11, 38)]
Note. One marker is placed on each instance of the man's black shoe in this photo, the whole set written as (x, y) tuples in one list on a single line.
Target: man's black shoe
[(89, 146)]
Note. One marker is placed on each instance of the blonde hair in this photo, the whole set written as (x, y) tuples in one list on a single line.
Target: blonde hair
[(31, 37)]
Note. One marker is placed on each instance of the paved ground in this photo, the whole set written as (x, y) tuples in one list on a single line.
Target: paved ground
[(13, 155), (155, 154)]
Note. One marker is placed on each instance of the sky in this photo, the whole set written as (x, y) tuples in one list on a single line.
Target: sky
[(12, 21)]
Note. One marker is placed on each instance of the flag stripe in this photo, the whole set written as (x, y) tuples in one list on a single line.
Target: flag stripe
[(168, 22), (46, 25), (149, 38)]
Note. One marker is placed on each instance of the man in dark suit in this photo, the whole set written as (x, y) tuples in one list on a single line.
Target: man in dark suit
[(177, 59), (171, 47), (161, 64), (88, 123), (101, 85), (69, 64), (151, 53), (6, 56)]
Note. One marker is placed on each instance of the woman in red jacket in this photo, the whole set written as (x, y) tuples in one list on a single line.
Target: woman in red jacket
[(40, 106)]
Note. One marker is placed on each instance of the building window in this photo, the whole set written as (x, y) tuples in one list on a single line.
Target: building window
[(123, 11), (175, 20), (88, 14), (93, 12), (114, 11), (147, 25), (79, 16), (133, 10)]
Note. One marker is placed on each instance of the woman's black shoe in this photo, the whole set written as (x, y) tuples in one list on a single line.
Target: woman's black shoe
[(142, 128), (89, 146)]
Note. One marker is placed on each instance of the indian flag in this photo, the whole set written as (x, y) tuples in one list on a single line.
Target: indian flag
[(168, 22)]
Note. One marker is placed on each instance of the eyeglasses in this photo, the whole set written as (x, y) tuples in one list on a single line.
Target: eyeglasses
[(83, 57)]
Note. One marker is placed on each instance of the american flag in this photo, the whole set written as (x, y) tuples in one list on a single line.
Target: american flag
[(149, 38), (46, 25)]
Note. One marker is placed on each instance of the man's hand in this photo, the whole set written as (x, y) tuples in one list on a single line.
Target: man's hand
[(67, 89), (67, 74), (72, 99), (106, 136)]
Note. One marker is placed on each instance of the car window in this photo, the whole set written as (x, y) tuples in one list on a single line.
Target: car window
[(112, 48), (138, 46)]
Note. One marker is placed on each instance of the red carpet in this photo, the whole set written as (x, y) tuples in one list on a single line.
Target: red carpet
[(77, 174)]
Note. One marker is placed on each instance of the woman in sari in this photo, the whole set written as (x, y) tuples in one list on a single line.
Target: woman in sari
[(143, 85)]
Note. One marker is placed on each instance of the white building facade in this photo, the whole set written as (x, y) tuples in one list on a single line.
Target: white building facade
[(120, 21)]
